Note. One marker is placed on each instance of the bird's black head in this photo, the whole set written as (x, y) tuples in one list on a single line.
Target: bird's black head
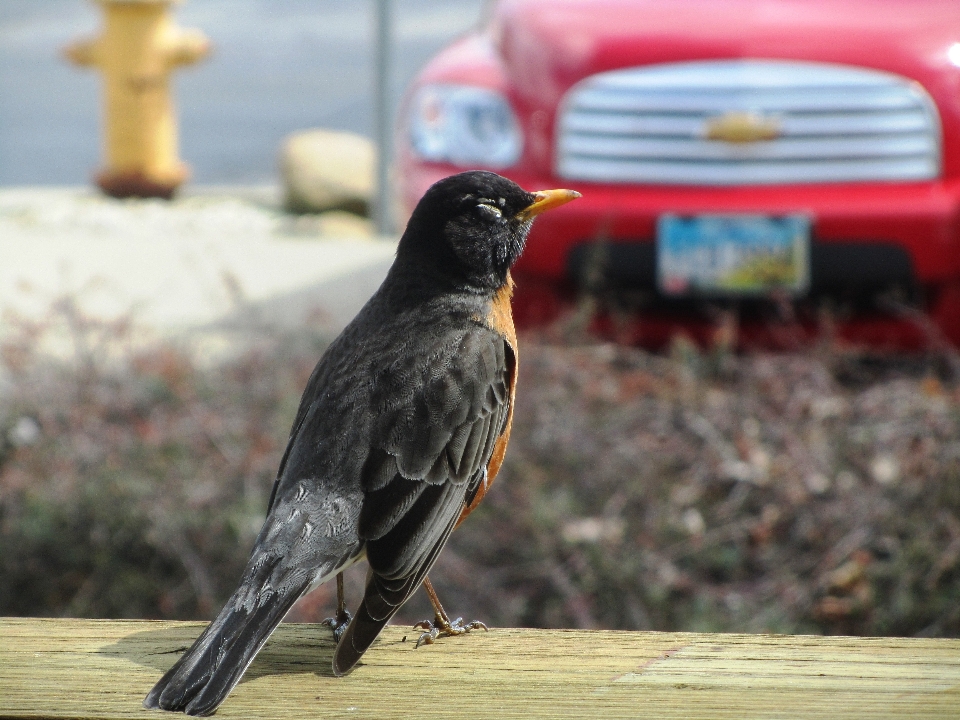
[(473, 226)]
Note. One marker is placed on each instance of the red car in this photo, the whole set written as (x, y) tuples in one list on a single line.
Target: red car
[(759, 156)]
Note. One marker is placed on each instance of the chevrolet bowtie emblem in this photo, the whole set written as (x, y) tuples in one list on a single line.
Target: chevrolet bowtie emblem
[(741, 127)]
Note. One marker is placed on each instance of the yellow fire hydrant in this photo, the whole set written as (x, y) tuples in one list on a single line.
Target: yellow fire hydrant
[(136, 52)]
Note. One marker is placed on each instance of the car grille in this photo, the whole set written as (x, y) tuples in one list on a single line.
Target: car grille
[(747, 122)]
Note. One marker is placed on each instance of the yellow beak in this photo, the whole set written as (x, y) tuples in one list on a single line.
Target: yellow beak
[(544, 200)]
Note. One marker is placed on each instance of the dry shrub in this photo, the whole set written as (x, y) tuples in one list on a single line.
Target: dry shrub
[(805, 492), (133, 482), (811, 492)]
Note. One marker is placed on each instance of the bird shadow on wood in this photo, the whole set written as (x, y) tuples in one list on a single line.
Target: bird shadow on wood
[(293, 649)]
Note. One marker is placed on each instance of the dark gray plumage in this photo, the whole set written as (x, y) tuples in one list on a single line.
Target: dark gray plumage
[(390, 443)]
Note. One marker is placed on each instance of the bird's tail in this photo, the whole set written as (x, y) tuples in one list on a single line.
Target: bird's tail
[(208, 671)]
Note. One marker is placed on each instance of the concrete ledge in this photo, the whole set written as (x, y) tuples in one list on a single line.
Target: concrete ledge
[(102, 669)]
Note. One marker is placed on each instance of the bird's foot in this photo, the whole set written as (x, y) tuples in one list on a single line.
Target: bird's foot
[(441, 627), (338, 624)]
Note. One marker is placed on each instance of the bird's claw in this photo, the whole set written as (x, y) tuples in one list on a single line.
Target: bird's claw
[(338, 624), (440, 627)]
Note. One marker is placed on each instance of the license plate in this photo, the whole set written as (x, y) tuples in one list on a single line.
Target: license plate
[(733, 254)]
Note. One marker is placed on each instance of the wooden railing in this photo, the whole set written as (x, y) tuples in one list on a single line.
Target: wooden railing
[(102, 669)]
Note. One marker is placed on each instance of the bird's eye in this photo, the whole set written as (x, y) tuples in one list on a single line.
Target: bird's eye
[(490, 210)]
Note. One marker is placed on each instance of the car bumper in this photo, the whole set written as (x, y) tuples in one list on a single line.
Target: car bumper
[(919, 222)]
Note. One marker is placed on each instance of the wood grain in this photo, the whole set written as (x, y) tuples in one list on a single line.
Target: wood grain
[(103, 668)]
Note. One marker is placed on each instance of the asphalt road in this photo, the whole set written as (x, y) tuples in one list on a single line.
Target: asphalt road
[(277, 66)]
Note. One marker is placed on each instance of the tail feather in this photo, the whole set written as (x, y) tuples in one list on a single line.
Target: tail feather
[(201, 680), (237, 656)]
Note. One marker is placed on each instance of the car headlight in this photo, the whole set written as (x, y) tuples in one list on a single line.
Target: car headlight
[(464, 125)]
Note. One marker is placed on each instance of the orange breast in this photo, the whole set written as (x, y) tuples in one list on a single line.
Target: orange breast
[(500, 319)]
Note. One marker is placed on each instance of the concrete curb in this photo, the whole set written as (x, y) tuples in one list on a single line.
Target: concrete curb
[(200, 261)]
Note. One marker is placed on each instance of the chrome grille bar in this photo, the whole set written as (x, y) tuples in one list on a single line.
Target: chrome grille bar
[(830, 124)]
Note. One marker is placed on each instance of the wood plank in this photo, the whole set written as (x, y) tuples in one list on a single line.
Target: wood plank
[(55, 668)]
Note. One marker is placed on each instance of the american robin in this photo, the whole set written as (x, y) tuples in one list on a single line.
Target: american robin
[(402, 428)]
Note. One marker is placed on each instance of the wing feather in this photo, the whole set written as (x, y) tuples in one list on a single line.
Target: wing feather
[(440, 446)]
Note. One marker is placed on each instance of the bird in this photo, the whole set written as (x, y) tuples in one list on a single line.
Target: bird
[(400, 432)]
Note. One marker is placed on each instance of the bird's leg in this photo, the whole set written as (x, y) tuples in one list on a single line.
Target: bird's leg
[(339, 622), (441, 625)]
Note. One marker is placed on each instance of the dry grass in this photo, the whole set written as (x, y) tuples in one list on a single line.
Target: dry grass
[(807, 492)]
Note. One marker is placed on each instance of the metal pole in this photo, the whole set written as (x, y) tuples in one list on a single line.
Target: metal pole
[(383, 116)]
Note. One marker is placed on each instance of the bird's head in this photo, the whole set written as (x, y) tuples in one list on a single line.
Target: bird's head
[(473, 226)]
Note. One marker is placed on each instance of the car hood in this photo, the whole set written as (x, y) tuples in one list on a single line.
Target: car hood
[(548, 45)]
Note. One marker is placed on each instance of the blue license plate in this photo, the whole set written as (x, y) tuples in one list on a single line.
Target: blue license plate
[(733, 254)]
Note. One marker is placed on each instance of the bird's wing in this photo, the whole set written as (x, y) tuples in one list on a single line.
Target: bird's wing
[(436, 428)]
